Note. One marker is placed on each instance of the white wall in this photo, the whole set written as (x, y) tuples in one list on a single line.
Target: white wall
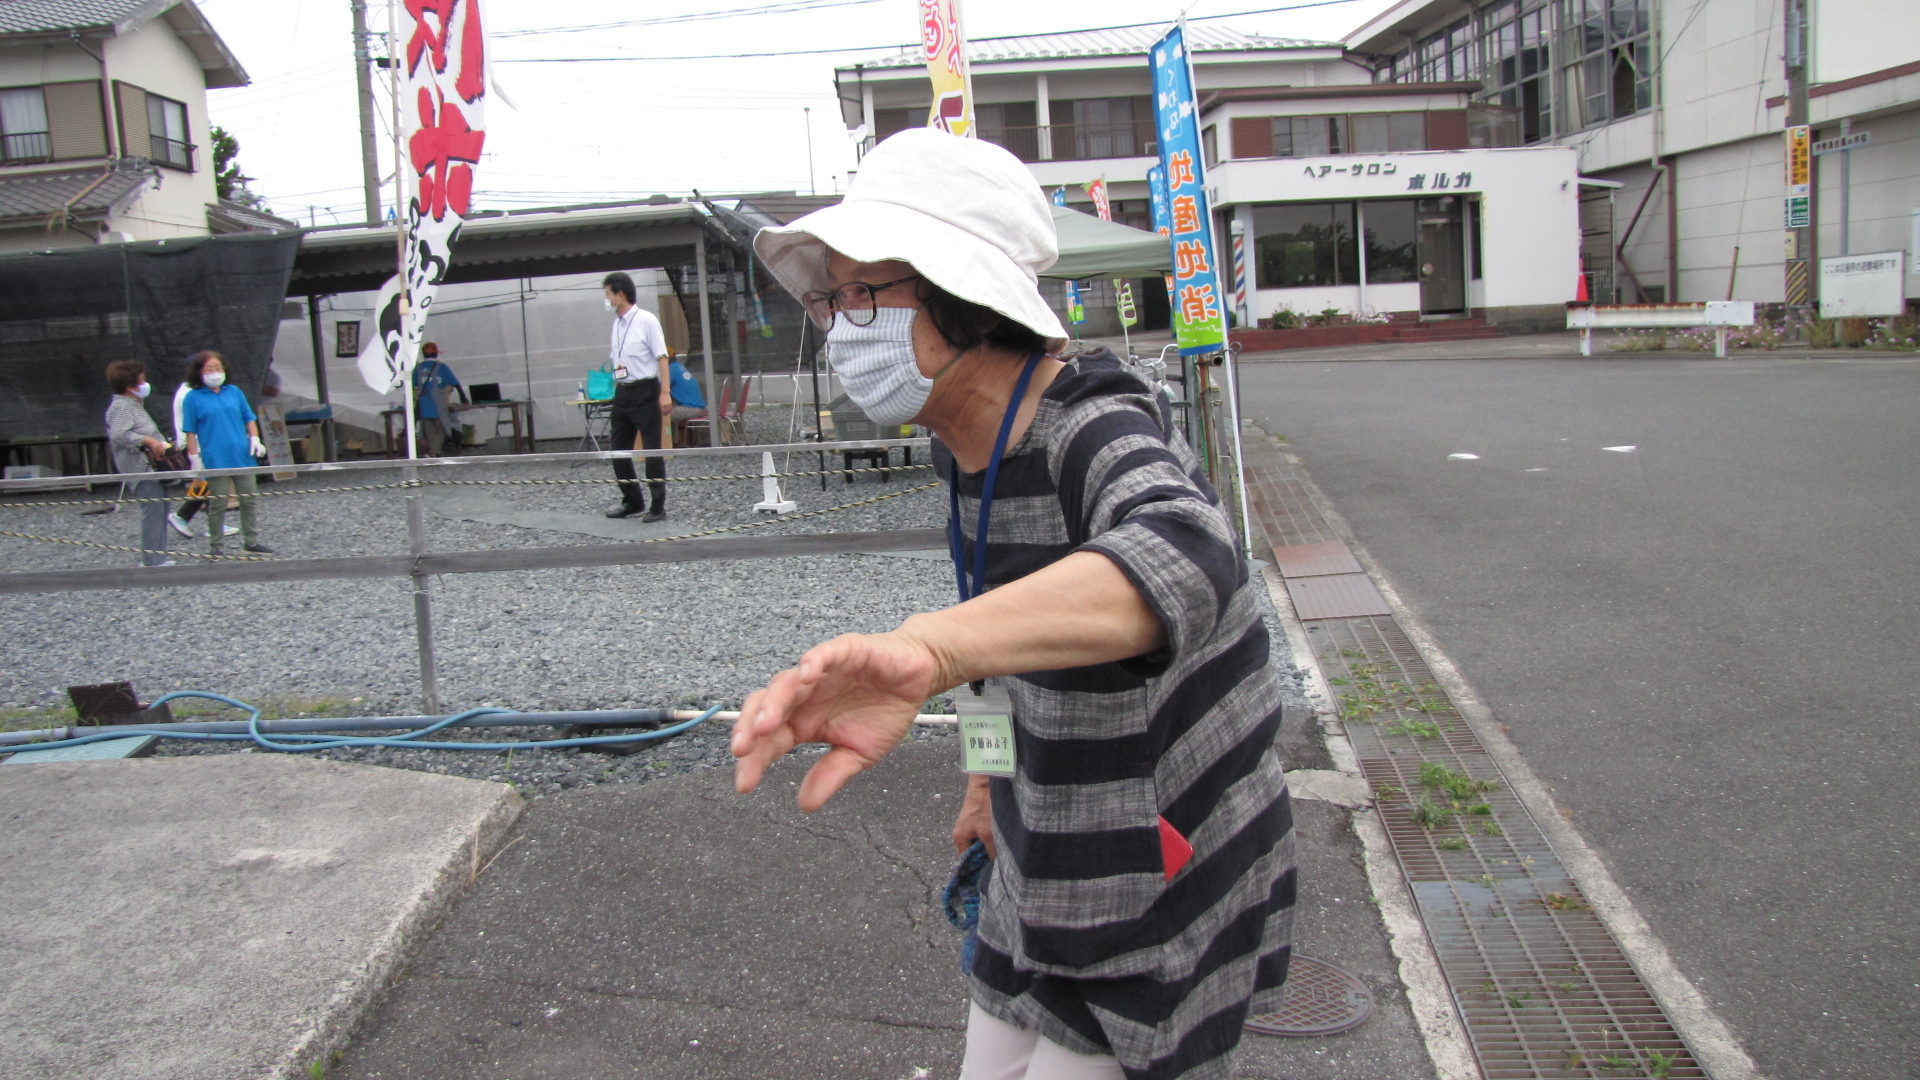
[(155, 60), (477, 327), (41, 62), (1529, 204), (1731, 196), (1886, 188), (1855, 37)]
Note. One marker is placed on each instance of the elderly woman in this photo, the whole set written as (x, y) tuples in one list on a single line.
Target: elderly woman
[(222, 430), (133, 435), (1140, 900)]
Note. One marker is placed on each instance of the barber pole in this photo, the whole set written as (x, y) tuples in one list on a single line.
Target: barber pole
[(1240, 275)]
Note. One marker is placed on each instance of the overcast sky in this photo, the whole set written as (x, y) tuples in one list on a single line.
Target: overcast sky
[(639, 125)]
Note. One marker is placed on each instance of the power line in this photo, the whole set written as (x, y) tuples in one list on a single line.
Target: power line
[(902, 48), (792, 7)]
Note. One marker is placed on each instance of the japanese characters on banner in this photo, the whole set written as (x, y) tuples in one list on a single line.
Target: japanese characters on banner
[(1162, 215), (1097, 191), (442, 91), (1199, 314), (1799, 175), (944, 43)]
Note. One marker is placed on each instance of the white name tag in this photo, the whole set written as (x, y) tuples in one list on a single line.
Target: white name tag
[(620, 372), (986, 730)]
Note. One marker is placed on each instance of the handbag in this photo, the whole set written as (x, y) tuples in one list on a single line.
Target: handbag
[(600, 384), (169, 460)]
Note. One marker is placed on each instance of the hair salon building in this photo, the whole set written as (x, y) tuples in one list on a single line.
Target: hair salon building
[(1336, 190)]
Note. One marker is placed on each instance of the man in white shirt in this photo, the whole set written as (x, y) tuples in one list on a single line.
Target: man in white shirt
[(641, 398)]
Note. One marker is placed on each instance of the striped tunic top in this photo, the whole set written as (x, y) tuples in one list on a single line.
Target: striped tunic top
[(1081, 935)]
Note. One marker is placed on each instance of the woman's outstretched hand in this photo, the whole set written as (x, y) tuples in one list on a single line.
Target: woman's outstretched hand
[(857, 693)]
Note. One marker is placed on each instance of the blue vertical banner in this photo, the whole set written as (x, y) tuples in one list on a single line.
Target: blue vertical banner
[(1199, 308), (1076, 308)]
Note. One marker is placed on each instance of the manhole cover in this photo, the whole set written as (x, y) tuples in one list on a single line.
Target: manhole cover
[(1321, 1000)]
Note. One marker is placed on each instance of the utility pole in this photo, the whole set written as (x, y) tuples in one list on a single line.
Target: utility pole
[(363, 80), (808, 114), (1800, 238)]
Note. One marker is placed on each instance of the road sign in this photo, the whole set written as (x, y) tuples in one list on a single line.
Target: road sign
[(1799, 212), (1844, 142), (1798, 171)]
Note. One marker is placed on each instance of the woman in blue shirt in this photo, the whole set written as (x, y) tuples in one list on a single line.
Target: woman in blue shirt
[(221, 428)]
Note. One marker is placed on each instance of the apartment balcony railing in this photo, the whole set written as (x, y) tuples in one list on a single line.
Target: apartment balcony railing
[(172, 151), (26, 147), (1069, 142)]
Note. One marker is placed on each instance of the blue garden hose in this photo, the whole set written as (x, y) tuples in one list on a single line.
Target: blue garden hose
[(296, 744)]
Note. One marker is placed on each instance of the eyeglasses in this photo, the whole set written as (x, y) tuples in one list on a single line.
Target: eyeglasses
[(854, 300)]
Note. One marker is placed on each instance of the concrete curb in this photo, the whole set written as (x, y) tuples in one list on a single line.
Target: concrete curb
[(480, 839)]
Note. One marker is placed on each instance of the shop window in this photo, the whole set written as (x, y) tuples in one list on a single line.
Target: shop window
[(24, 136), (1393, 242), (1309, 136), (1381, 133), (1302, 245)]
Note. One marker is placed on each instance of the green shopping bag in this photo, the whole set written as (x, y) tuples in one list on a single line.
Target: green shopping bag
[(600, 384)]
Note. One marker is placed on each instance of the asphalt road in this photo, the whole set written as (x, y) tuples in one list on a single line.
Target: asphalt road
[(1707, 643)]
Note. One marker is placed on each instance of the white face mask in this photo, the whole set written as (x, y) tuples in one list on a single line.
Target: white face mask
[(142, 390), (213, 379), (607, 303), (876, 364)]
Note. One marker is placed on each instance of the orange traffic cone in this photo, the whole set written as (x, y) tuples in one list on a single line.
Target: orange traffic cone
[(1580, 290)]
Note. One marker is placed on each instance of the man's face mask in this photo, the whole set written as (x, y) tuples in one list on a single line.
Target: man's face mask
[(876, 363)]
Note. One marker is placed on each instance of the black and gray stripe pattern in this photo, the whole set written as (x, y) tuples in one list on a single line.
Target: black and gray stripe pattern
[(1081, 937)]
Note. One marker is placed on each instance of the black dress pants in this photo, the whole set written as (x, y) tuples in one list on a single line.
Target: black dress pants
[(636, 411)]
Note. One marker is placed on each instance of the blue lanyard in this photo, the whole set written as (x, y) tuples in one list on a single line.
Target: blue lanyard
[(986, 496)]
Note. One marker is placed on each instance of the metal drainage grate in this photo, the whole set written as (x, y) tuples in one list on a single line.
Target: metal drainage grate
[(1543, 989), (1320, 1000)]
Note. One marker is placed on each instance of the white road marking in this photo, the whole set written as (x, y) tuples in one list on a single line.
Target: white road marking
[(1464, 457), (1621, 449), (1536, 470)]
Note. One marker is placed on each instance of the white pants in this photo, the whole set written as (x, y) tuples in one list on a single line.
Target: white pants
[(996, 1050)]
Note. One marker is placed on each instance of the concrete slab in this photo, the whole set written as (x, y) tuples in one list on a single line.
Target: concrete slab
[(677, 930), (222, 916)]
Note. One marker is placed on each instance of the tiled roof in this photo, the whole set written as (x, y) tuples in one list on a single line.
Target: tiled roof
[(1131, 41), (227, 216), (41, 195), (41, 16)]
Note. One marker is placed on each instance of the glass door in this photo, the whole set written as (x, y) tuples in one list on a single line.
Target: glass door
[(1443, 277)]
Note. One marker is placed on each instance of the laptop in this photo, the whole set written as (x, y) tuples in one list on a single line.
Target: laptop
[(484, 392)]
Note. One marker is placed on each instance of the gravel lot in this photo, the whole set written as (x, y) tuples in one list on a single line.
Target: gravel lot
[(683, 635)]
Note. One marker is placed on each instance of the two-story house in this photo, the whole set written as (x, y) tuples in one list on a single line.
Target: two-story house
[(103, 121), (1685, 104), (1332, 189)]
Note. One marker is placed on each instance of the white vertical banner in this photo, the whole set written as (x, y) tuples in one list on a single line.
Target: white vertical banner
[(442, 97)]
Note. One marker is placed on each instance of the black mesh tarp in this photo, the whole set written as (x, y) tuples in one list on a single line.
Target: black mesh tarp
[(65, 315)]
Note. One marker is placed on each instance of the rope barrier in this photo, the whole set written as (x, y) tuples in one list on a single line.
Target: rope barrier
[(135, 550), (682, 536), (403, 485)]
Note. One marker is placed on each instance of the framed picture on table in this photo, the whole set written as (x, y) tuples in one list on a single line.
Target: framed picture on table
[(346, 337)]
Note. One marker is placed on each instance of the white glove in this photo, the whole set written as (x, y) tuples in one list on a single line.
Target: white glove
[(194, 460), (257, 448)]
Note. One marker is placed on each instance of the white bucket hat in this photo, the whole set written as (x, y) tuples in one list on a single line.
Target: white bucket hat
[(966, 214)]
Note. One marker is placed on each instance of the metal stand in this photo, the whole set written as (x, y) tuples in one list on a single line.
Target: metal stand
[(1229, 363), (422, 598)]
